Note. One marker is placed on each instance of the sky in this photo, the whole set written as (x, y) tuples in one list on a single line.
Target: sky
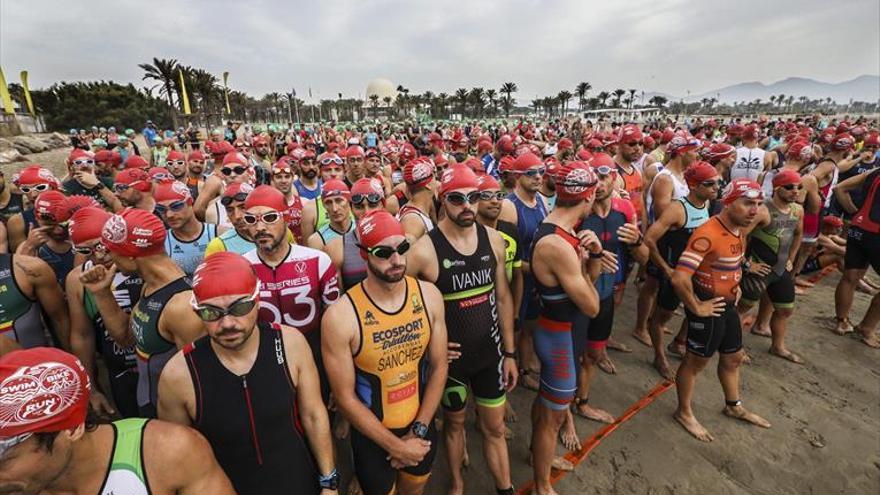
[(669, 46)]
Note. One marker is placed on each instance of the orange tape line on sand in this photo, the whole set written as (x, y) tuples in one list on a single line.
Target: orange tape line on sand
[(822, 274), (588, 444)]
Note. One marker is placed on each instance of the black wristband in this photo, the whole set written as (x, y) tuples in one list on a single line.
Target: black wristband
[(596, 255), (506, 354)]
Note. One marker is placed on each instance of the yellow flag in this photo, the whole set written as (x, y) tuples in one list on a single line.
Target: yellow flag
[(226, 92), (27, 93), (183, 92), (4, 95)]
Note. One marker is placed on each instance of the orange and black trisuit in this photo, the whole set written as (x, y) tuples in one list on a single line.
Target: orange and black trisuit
[(390, 373), (863, 238), (713, 257)]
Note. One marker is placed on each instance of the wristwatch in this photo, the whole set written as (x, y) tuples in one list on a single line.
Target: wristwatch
[(420, 429), (100, 185), (511, 355), (330, 481), (595, 256)]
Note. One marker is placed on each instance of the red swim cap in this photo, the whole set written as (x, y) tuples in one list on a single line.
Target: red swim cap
[(842, 142), (136, 178), (564, 144), (698, 172), (832, 222), (87, 223), (77, 202), (196, 156), (172, 191), (458, 177), (134, 233), (223, 274), (33, 175), (136, 161), (742, 188), (718, 151), (43, 390), (418, 173), (50, 205), (354, 152), (488, 183), (160, 174), (575, 180), (333, 188), (234, 158), (786, 177), (174, 156), (266, 196), (526, 161), (376, 226)]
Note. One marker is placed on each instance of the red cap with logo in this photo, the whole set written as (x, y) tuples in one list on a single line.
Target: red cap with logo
[(698, 172), (136, 178), (172, 191), (575, 180), (136, 161), (335, 188), (50, 205), (418, 172), (458, 177), (33, 175), (78, 201), (375, 227), (134, 233), (87, 224), (742, 188), (223, 274)]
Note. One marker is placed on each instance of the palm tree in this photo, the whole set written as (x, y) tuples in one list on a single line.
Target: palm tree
[(429, 99), (603, 97), (403, 97), (492, 96), (563, 97), (581, 91), (374, 103), (442, 100), (164, 72), (658, 101), (508, 89), (632, 97), (618, 95), (803, 100), (461, 95), (478, 101)]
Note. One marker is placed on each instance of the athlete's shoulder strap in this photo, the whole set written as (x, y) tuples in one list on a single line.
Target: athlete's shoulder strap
[(127, 449)]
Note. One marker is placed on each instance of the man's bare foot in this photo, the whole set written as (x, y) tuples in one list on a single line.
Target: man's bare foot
[(863, 287), (607, 365), (559, 463), (342, 428), (739, 412), (786, 354), (747, 321), (530, 379), (508, 433), (617, 346), (455, 489), (509, 413), (662, 367), (642, 336), (843, 326), (593, 413), (666, 330), (799, 291), (676, 348), (802, 282), (693, 427), (762, 330), (746, 358), (568, 436), (354, 487), (870, 339)]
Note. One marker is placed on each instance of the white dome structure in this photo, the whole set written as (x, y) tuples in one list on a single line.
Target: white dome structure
[(380, 88)]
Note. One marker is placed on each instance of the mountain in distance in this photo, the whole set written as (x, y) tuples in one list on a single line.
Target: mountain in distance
[(862, 88)]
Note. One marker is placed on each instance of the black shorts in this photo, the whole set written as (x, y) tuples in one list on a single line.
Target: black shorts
[(779, 288), (862, 249), (593, 332), (485, 383), (653, 270), (123, 389), (666, 297), (707, 335), (374, 471)]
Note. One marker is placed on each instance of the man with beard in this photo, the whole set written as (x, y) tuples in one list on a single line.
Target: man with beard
[(88, 335), (524, 208), (667, 186), (629, 152), (706, 280), (162, 320), (366, 196), (354, 164), (308, 185), (31, 181), (236, 169), (262, 152), (195, 173), (335, 197), (251, 388), (175, 164), (237, 239), (49, 239), (488, 211), (134, 189), (464, 260), (377, 348), (187, 237), (84, 181), (373, 168), (563, 282), (666, 239), (282, 179), (296, 282), (314, 215), (59, 450)]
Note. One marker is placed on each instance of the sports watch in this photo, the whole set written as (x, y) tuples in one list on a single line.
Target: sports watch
[(330, 481), (420, 429)]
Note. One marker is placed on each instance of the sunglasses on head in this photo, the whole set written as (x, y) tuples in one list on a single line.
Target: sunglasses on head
[(328, 161), (84, 162), (458, 199), (175, 162), (237, 170), (282, 170), (37, 188), (386, 252), (534, 172), (241, 307), (227, 200), (603, 170), (372, 198), (793, 187), (173, 206), (267, 218), (489, 195), (159, 177)]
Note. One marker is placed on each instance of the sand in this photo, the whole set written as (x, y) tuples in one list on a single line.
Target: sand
[(825, 415)]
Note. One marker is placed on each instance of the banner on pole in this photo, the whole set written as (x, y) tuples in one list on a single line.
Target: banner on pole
[(226, 92), (186, 109), (27, 93), (4, 95)]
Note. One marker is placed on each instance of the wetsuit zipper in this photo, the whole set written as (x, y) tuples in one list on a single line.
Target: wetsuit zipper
[(247, 398)]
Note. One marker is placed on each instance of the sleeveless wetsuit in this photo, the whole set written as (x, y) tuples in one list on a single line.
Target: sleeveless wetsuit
[(188, 254), (61, 263), (15, 205), (306, 192), (328, 233), (673, 243), (680, 189), (354, 268), (467, 283), (863, 238), (528, 219), (153, 350), (127, 474), (749, 163), (252, 421), (513, 248), (390, 373), (231, 241), (20, 316), (770, 244)]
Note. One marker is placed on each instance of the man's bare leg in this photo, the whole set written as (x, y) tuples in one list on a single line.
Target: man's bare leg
[(677, 346), (762, 322), (728, 374), (491, 422), (410, 485), (568, 434), (661, 362), (529, 363), (453, 435), (586, 372), (867, 328), (545, 427), (685, 380), (778, 329), (644, 308), (843, 299)]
